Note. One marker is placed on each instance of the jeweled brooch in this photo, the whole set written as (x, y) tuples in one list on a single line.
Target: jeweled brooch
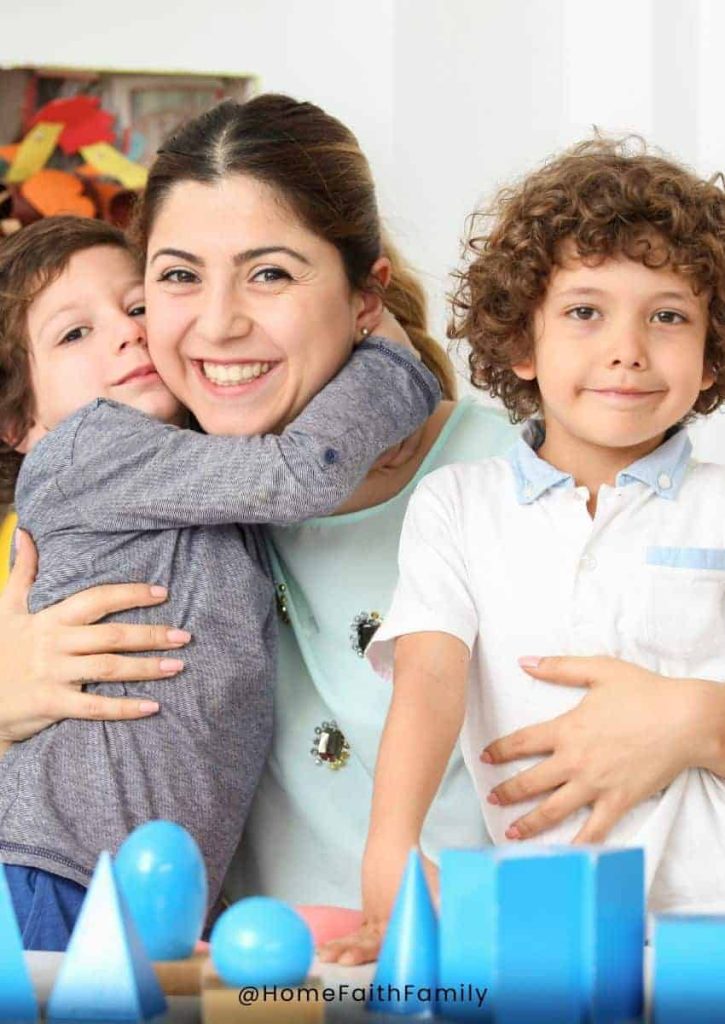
[(329, 746), (363, 629)]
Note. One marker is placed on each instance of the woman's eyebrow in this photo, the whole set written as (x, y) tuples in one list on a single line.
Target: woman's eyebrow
[(180, 254), (266, 250)]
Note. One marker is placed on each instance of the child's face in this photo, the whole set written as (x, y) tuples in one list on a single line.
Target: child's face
[(88, 340), (618, 351)]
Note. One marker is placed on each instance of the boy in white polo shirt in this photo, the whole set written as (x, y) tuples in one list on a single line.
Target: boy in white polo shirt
[(595, 298)]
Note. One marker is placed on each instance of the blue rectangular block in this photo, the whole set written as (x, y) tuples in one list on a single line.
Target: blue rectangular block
[(555, 934), (689, 969)]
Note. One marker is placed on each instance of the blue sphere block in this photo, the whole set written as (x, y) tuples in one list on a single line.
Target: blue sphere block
[(689, 969), (17, 996), (162, 876), (106, 974), (407, 973), (261, 941), (545, 931)]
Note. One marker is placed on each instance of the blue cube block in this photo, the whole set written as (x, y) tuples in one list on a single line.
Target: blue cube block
[(554, 934), (689, 969)]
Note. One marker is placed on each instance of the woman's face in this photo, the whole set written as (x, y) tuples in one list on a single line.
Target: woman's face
[(249, 313)]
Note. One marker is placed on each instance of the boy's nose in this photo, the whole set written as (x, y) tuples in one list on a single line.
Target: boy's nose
[(628, 348), (132, 333)]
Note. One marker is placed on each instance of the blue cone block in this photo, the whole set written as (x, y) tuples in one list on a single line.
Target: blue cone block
[(17, 996), (689, 969), (106, 974), (161, 874), (407, 973), (555, 935)]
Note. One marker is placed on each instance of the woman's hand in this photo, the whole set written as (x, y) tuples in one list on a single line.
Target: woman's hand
[(382, 873), (631, 735), (48, 656)]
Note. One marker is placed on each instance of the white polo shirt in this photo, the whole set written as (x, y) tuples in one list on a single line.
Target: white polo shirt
[(504, 554)]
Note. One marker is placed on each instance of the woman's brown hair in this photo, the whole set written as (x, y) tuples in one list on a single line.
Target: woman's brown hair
[(29, 261), (608, 198), (316, 165)]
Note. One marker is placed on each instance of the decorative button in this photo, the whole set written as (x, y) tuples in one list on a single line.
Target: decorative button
[(331, 456), (664, 481), (363, 629), (587, 563), (330, 746)]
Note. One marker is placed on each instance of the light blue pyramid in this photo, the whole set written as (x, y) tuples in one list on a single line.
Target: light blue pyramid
[(17, 997), (408, 962), (106, 974)]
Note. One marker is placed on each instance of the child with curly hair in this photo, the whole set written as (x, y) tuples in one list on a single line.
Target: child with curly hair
[(594, 304)]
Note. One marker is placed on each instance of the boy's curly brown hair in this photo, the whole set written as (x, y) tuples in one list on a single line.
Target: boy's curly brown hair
[(608, 198), (29, 261)]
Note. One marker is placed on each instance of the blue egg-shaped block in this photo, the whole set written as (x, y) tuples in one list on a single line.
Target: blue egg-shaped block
[(261, 941), (162, 876)]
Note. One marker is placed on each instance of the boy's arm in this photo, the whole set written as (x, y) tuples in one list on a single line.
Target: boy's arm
[(433, 625), (130, 472)]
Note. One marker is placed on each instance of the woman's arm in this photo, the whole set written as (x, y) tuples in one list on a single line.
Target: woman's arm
[(631, 735), (48, 656), (425, 718)]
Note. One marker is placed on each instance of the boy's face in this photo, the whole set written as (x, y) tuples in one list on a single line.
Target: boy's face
[(88, 340), (618, 351)]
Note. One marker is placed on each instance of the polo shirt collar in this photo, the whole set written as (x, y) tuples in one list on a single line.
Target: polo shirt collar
[(663, 469)]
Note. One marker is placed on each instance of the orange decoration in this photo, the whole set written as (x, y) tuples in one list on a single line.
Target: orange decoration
[(8, 152), (52, 192)]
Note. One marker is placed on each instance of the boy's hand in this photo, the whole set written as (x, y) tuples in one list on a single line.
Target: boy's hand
[(388, 327), (382, 874)]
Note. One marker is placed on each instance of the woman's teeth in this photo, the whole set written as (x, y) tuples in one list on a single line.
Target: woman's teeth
[(234, 373)]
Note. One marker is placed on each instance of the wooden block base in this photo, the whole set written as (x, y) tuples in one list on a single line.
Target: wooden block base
[(221, 1004), (181, 977)]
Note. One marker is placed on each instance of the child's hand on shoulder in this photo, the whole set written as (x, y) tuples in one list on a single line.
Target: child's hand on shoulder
[(382, 874), (388, 327)]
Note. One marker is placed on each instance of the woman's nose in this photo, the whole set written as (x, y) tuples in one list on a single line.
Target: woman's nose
[(223, 316)]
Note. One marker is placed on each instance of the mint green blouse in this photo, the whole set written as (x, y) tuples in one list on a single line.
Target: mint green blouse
[(306, 832)]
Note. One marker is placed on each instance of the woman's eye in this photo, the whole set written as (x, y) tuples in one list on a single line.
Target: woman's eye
[(178, 277), (74, 335), (139, 310), (583, 313), (270, 275), (668, 316)]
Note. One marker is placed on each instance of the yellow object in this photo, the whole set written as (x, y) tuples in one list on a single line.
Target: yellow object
[(34, 151), (7, 528), (110, 162)]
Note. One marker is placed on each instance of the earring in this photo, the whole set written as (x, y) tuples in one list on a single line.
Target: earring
[(365, 331)]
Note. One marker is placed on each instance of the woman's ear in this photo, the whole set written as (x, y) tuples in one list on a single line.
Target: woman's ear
[(372, 297)]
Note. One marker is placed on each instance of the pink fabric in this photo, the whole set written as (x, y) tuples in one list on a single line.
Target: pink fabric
[(327, 923)]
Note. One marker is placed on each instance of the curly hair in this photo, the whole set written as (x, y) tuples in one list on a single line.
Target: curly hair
[(608, 198), (29, 261)]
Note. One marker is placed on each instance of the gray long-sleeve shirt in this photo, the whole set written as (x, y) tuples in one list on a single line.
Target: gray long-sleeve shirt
[(112, 495)]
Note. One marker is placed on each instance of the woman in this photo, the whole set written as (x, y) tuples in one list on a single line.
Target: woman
[(305, 836)]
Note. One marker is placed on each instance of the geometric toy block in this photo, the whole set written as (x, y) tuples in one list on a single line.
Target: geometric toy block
[(161, 874), (408, 960), (105, 974), (540, 928), (689, 969), (222, 1004), (17, 996), (261, 941), (180, 977)]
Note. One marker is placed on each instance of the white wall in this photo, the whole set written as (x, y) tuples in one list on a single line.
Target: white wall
[(449, 98)]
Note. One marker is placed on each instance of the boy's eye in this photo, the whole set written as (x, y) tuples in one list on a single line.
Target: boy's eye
[(138, 310), (178, 276), (74, 335), (270, 275), (668, 316), (583, 313)]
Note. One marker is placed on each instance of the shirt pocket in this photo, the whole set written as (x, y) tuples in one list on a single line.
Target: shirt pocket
[(684, 594)]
